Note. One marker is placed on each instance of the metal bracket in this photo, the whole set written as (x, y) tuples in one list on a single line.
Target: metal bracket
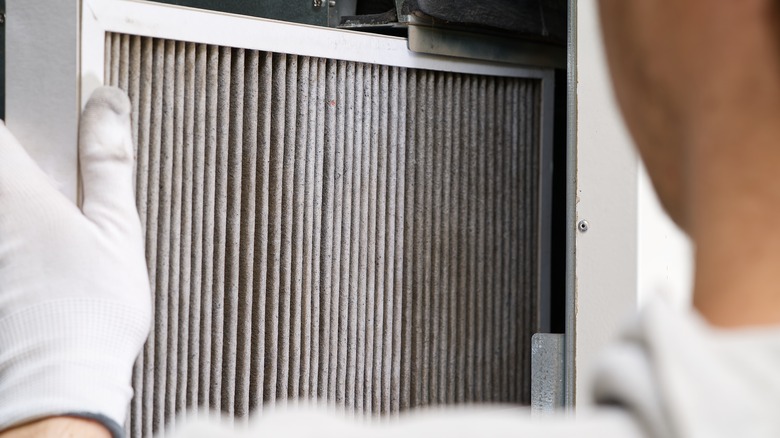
[(399, 8), (547, 373), (424, 38)]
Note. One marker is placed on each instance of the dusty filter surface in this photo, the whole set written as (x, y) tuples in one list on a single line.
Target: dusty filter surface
[(358, 233)]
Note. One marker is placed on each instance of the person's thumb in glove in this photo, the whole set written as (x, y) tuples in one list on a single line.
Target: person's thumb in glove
[(106, 161)]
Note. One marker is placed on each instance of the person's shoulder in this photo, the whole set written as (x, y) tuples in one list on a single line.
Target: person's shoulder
[(682, 377)]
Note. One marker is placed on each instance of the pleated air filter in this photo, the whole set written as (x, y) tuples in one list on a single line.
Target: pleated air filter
[(362, 234)]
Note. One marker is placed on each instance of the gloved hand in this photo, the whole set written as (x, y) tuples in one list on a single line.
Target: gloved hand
[(75, 303)]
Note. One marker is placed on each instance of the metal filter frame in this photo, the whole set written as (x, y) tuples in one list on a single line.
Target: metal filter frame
[(46, 116)]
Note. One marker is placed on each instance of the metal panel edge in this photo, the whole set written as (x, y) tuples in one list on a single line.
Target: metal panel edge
[(545, 210), (424, 38), (606, 196), (547, 373), (570, 347), (186, 24)]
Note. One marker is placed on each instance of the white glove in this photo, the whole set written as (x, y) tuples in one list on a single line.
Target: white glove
[(75, 303)]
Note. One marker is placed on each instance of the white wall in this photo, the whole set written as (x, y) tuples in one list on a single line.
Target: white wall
[(665, 264)]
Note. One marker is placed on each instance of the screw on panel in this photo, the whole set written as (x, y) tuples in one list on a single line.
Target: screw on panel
[(583, 226), (317, 3), (332, 3)]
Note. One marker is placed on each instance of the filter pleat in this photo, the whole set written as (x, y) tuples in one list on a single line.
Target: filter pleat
[(371, 267), (327, 134), (317, 134), (409, 369), (245, 251), (501, 347), (136, 406), (307, 339), (381, 90), (259, 382), (154, 381), (112, 53), (354, 143), (233, 250), (346, 111), (390, 137), (472, 306), (287, 188), (143, 378), (530, 186), (221, 213), (334, 165), (186, 273), (205, 396), (517, 223), (174, 241), (362, 288), (508, 303), (197, 211), (397, 97), (298, 211), (438, 289), (308, 124), (431, 294), (447, 290), (275, 227), (123, 81), (457, 245)]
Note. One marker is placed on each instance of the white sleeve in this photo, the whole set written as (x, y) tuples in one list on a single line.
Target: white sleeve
[(680, 377)]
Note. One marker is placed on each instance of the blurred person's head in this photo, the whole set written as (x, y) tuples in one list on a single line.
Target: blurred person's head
[(697, 82)]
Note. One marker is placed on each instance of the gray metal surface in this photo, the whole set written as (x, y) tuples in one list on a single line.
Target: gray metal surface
[(424, 38), (316, 12), (357, 233), (547, 372), (571, 208), (540, 20)]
